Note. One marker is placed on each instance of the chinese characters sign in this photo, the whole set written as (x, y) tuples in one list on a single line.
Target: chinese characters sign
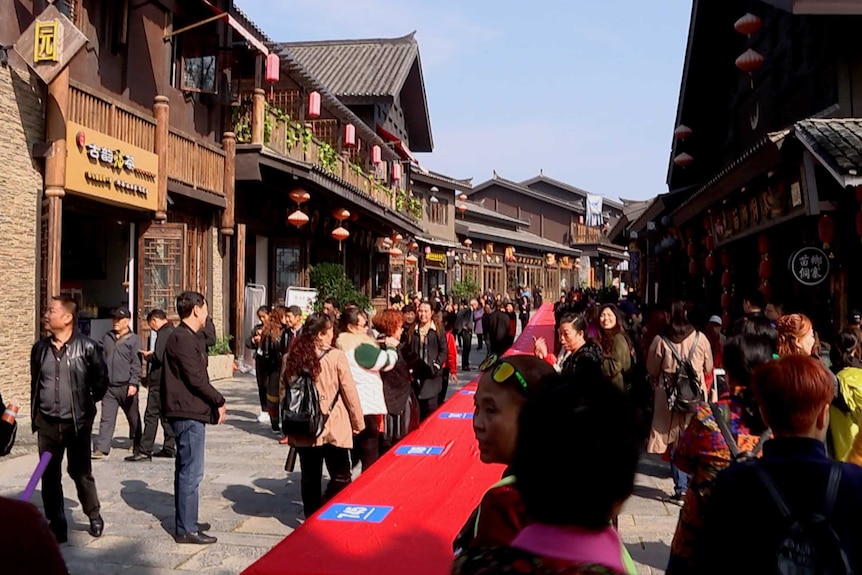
[(110, 170), (46, 41), (49, 43), (810, 266)]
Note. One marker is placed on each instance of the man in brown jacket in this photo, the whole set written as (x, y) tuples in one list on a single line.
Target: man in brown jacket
[(189, 402)]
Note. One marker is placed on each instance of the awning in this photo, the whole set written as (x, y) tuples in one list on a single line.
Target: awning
[(837, 145), (401, 147), (440, 243), (231, 21)]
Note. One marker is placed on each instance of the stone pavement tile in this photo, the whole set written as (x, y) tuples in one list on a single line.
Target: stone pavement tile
[(246, 539), (128, 554), (222, 559), (651, 554), (650, 507), (264, 526), (138, 570)]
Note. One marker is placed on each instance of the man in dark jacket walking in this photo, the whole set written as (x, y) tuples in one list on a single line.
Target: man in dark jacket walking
[(121, 348), (67, 377), (157, 319), (189, 402)]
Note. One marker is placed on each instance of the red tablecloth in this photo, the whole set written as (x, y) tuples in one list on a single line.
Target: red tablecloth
[(430, 497)]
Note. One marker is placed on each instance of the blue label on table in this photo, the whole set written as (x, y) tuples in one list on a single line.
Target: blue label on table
[(356, 513), (419, 450), (456, 415), (468, 392)]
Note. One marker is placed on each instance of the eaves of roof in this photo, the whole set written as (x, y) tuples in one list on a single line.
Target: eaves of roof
[(516, 187), (568, 188), (517, 238), (837, 145), (480, 210), (431, 177)]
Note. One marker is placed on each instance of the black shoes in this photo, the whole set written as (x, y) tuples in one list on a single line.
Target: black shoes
[(97, 526), (204, 526), (139, 457), (60, 529), (195, 538), (163, 453)]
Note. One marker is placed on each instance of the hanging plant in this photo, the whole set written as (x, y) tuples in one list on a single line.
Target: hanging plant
[(327, 157)]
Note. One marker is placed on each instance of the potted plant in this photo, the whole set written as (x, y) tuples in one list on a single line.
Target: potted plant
[(220, 363)]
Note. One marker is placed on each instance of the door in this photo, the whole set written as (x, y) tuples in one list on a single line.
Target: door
[(287, 270), (161, 269)]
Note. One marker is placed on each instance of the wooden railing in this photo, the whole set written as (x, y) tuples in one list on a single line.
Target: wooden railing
[(110, 117), (583, 234), (195, 164)]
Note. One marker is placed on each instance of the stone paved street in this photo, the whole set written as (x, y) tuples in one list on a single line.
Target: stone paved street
[(248, 499)]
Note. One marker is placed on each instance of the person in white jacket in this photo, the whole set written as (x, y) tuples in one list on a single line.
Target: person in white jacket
[(366, 359)]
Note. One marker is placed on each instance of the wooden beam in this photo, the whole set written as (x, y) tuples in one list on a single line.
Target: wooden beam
[(55, 174), (161, 110), (227, 218), (239, 289)]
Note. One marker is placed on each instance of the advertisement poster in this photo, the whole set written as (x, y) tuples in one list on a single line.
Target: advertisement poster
[(303, 297)]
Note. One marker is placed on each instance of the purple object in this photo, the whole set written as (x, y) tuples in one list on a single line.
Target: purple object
[(37, 475)]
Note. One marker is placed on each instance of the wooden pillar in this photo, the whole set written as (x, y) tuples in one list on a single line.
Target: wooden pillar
[(227, 216), (258, 116), (161, 110), (239, 288), (55, 175)]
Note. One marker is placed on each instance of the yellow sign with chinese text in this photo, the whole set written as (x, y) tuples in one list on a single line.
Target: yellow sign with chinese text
[(109, 170), (45, 45)]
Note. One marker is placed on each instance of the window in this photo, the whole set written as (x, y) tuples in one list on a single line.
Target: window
[(381, 277), (195, 61), (287, 269), (438, 212), (163, 251)]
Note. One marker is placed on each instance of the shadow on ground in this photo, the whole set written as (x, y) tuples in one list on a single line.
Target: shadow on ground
[(277, 498)]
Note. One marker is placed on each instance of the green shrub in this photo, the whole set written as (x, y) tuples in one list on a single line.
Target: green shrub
[(330, 280), (466, 289), (221, 346)]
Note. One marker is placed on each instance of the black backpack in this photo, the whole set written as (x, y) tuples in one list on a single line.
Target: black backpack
[(810, 546), (683, 388), (300, 411)]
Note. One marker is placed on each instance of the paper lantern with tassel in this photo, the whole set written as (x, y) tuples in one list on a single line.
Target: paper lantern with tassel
[(340, 234), (710, 263), (692, 268), (299, 196), (726, 279), (340, 214), (412, 260), (826, 230), (748, 24), (297, 218), (314, 105), (725, 301)]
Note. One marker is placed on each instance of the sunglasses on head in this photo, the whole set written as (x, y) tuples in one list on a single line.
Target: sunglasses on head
[(502, 370)]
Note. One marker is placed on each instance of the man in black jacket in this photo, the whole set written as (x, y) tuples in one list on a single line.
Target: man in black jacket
[(189, 402), (157, 319), (67, 377)]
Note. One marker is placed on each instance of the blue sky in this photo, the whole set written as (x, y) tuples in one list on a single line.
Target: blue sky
[(585, 90)]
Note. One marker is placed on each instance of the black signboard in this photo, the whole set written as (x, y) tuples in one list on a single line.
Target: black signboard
[(810, 266)]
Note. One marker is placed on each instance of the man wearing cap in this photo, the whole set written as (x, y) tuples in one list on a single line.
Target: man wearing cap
[(714, 325), (121, 348)]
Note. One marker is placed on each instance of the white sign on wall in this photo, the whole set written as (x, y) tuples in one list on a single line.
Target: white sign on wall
[(302, 297)]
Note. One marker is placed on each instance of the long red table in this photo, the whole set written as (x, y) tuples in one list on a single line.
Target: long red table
[(402, 514)]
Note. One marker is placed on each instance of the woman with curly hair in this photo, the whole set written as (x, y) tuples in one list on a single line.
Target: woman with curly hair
[(274, 340), (312, 353), (795, 335), (617, 353)]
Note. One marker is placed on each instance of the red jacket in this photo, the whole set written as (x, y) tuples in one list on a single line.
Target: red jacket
[(452, 358)]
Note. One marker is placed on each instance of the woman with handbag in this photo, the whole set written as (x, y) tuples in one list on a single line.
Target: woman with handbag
[(312, 355)]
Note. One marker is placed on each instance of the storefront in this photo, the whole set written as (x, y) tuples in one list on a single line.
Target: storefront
[(435, 272)]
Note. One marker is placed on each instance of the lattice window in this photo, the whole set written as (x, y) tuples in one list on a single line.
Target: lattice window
[(163, 250), (355, 154), (470, 272), (438, 212), (493, 279), (326, 131), (289, 102)]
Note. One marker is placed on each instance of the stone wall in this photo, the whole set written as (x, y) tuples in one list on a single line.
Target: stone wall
[(22, 119)]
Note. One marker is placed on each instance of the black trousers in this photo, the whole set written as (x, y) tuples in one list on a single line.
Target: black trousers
[(466, 345), (311, 463), (427, 407), (152, 417), (117, 398), (58, 437), (366, 445), (260, 375)]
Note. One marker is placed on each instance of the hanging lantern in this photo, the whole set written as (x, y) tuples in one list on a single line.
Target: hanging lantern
[(273, 65), (765, 269), (299, 196), (682, 132), (726, 279), (725, 301), (748, 24), (412, 260), (396, 237), (725, 319), (766, 290), (413, 245), (710, 242), (297, 218), (395, 252), (749, 61), (725, 258), (462, 208), (396, 171), (710, 263), (349, 135), (463, 197), (826, 230), (340, 234), (692, 268), (468, 242), (763, 245), (376, 155), (682, 160), (313, 105), (691, 250), (340, 214)]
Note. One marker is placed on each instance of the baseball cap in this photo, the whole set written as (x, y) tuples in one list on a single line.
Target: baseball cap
[(121, 313), (715, 319)]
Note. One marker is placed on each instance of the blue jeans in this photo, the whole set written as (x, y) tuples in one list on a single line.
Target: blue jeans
[(680, 479), (188, 473)]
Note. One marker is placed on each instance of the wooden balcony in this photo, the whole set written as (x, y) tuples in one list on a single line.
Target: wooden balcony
[(583, 234), (191, 161)]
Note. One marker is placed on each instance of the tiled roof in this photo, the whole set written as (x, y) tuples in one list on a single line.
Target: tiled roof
[(516, 187), (837, 144), (247, 22), (567, 188), (436, 177), (479, 209), (517, 238), (377, 67)]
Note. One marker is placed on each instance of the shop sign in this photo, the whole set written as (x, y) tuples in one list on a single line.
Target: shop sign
[(550, 260), (436, 260), (810, 266), (567, 263), (756, 211), (49, 43), (527, 261), (109, 170)]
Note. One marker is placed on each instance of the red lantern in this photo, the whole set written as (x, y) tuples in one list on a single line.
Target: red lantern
[(765, 269), (413, 245), (349, 135), (691, 250), (462, 208), (710, 263), (463, 197), (682, 160), (859, 223), (826, 230), (297, 218), (710, 242), (412, 260), (748, 24), (726, 279), (766, 290), (396, 237), (340, 214), (725, 301), (725, 320), (340, 234), (395, 252), (314, 104), (763, 245), (300, 196), (682, 132), (692, 268), (749, 61), (725, 259), (376, 155), (396, 171), (273, 65)]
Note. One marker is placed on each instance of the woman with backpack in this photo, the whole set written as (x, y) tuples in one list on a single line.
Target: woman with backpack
[(677, 361), (703, 449), (313, 358)]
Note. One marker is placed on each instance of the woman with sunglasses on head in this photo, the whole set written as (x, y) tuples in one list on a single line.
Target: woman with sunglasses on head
[(579, 355), (504, 386)]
